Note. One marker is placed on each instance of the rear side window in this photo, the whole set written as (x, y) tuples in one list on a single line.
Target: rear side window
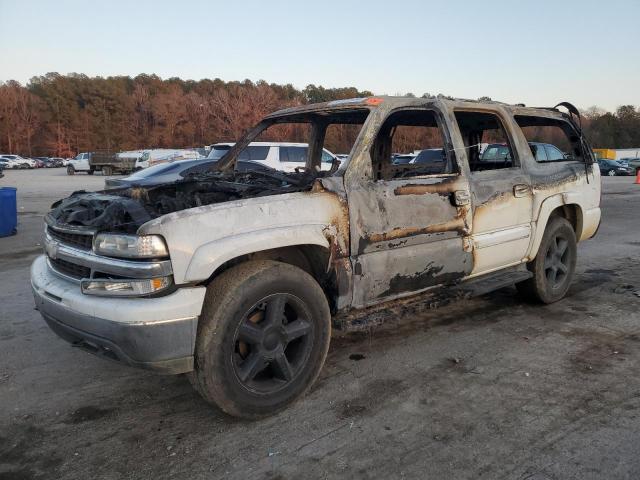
[(558, 138), (293, 154), (254, 152)]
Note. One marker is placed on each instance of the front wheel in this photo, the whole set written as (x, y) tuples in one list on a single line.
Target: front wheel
[(611, 173), (262, 339), (70, 170), (554, 264)]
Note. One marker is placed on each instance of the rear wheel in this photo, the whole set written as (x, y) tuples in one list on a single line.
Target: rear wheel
[(262, 339), (107, 170), (90, 171), (554, 264), (611, 173)]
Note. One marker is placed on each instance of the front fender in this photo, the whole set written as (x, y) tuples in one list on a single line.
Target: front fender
[(210, 256)]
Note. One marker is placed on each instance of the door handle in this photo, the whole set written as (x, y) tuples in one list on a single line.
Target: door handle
[(521, 190)]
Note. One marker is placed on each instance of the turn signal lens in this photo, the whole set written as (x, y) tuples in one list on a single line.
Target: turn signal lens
[(124, 288)]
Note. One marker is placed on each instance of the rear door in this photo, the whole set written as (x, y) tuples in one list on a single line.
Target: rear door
[(500, 190), (408, 222)]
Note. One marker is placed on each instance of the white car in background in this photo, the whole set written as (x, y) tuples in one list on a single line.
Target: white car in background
[(277, 155), (16, 161)]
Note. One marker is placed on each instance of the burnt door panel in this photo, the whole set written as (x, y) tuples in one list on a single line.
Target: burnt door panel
[(408, 235)]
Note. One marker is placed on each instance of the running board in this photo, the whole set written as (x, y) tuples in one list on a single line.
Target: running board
[(492, 281), (366, 318)]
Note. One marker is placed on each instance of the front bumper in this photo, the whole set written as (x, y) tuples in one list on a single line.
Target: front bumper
[(155, 333)]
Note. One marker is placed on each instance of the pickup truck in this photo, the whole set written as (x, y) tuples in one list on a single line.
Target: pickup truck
[(101, 161), (237, 278)]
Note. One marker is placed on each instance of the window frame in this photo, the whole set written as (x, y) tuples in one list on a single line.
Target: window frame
[(447, 144), (506, 127), (564, 121)]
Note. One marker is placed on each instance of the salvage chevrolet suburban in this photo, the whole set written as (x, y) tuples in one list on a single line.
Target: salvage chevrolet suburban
[(237, 278)]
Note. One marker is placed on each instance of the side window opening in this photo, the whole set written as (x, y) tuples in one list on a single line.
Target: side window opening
[(556, 137), (485, 140), (410, 143)]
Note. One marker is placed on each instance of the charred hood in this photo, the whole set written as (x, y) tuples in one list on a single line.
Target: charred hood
[(126, 209)]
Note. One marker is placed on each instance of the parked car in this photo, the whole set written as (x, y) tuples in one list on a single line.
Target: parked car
[(238, 279), (632, 162), (282, 156), (174, 171), (612, 168), (18, 162), (432, 161), (41, 162), (56, 162), (402, 158)]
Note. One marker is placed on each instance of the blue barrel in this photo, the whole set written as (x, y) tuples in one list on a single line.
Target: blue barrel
[(8, 211)]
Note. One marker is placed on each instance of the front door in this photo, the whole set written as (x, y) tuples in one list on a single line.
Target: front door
[(409, 221)]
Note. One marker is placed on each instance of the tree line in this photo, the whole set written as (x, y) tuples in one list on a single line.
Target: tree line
[(61, 115)]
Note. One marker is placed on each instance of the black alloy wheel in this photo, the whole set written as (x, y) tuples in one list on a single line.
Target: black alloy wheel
[(272, 343)]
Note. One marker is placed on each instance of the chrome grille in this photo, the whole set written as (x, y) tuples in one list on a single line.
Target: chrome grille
[(70, 269), (78, 240)]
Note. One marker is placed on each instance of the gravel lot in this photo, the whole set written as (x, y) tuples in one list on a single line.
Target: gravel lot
[(489, 388)]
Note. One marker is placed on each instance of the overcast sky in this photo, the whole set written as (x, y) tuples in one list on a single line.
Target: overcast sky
[(537, 52)]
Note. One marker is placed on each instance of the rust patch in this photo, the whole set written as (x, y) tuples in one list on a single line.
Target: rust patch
[(444, 188), (457, 224)]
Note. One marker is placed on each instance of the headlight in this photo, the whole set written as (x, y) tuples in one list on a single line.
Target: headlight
[(124, 288), (130, 246)]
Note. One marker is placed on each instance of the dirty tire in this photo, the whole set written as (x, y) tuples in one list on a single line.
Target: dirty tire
[(71, 170), (554, 264), (229, 304), (107, 171)]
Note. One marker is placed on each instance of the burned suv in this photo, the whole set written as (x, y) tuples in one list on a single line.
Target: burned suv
[(237, 278)]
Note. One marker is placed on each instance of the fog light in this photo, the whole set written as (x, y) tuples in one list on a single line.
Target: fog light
[(124, 288)]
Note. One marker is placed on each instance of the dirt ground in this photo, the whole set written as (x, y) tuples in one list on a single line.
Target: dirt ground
[(490, 388)]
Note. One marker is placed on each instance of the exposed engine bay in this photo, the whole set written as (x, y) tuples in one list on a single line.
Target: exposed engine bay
[(124, 210)]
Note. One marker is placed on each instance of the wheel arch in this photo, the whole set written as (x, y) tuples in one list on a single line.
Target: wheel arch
[(561, 205), (309, 248)]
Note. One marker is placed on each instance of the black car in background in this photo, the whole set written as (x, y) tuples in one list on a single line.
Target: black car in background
[(174, 171), (612, 168)]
